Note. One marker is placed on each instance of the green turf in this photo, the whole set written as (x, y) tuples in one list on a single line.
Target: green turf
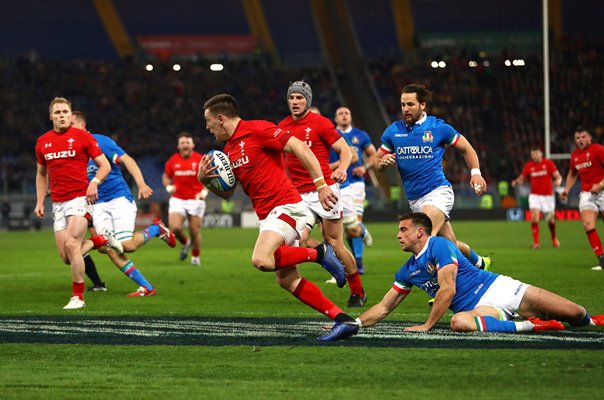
[(33, 282)]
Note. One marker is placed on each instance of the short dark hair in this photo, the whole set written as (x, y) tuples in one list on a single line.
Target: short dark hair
[(419, 218), (79, 115), (423, 94), (184, 134), (222, 104), (582, 129)]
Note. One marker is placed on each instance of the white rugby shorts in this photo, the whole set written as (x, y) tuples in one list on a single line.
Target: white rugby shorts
[(590, 201), (287, 220), (312, 200), (442, 198), (63, 209), (543, 203), (505, 295), (194, 207), (117, 215), (358, 195)]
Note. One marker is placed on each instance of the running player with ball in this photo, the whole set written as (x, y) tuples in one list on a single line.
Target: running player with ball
[(416, 146), (255, 150)]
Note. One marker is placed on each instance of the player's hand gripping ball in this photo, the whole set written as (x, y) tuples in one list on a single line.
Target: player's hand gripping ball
[(226, 178)]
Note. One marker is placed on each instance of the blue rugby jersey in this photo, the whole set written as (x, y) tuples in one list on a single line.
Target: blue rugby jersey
[(114, 185), (419, 151), (421, 271)]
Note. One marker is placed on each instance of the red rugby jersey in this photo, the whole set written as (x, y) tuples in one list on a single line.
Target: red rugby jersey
[(589, 165), (66, 156), (319, 134), (541, 176), (256, 154), (183, 172)]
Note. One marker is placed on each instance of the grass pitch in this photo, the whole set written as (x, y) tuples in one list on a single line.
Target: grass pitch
[(34, 285)]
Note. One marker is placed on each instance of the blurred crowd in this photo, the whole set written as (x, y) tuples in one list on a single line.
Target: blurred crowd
[(498, 108)]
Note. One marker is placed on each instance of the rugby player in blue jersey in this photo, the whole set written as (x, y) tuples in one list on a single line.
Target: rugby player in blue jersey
[(114, 213), (416, 146), (361, 144), (480, 300)]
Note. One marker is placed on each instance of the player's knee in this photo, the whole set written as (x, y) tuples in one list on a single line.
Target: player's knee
[(262, 263), (461, 323), (128, 246)]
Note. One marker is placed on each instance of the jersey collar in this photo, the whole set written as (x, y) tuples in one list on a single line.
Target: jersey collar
[(418, 255)]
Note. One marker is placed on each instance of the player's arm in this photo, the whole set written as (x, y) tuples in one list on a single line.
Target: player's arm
[(384, 160), (446, 282), (92, 193), (206, 172), (343, 149), (355, 157), (370, 161), (144, 191), (309, 161), (477, 182), (557, 178), (167, 182), (571, 179), (382, 309), (41, 189), (519, 180)]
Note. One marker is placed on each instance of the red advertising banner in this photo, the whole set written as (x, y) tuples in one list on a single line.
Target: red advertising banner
[(165, 46)]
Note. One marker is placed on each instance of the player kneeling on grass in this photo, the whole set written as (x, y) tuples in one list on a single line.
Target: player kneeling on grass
[(481, 300)]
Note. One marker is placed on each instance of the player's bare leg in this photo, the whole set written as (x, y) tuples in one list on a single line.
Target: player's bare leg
[(195, 238), (547, 305), (176, 222)]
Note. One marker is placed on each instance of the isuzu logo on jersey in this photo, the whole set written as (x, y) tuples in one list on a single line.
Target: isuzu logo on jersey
[(585, 164), (239, 162), (307, 137), (60, 154)]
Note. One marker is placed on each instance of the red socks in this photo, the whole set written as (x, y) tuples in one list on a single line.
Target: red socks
[(287, 256), (535, 231), (552, 229), (98, 241), (595, 242), (77, 289), (354, 282), (310, 294)]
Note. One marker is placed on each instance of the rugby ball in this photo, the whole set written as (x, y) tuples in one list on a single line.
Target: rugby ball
[(226, 178)]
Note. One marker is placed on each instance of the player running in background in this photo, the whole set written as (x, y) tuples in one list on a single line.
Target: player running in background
[(187, 196), (361, 144), (114, 214), (540, 172), (416, 145), (320, 135), (480, 300), (587, 163), (62, 156), (255, 150)]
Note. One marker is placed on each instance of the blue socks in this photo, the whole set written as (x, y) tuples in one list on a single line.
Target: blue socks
[(130, 270), (151, 231), (490, 324)]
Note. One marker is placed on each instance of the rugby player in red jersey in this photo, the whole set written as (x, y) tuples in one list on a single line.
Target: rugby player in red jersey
[(540, 172), (255, 150), (587, 163), (320, 135), (188, 196), (62, 155)]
